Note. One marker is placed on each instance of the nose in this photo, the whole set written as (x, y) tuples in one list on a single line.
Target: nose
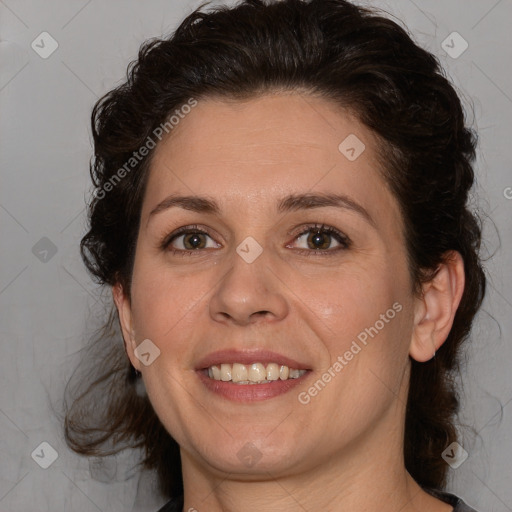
[(248, 293)]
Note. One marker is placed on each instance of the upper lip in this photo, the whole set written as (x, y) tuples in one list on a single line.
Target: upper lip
[(231, 356)]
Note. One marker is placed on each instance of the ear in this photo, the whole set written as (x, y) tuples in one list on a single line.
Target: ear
[(124, 311), (436, 308)]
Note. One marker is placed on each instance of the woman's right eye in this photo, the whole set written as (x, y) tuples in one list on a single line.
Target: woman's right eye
[(189, 239)]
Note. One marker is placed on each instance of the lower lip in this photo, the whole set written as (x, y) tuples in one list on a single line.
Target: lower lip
[(250, 392)]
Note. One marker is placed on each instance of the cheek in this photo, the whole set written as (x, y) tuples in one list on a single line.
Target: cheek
[(361, 316), (163, 304), (348, 299)]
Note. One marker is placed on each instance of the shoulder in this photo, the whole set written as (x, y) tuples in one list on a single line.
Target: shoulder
[(457, 503)]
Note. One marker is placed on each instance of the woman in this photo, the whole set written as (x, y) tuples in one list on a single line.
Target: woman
[(281, 212)]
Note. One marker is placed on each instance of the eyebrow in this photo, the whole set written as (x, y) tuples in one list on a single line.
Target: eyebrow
[(292, 202)]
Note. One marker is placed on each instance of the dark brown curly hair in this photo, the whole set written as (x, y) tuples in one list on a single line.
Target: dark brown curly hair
[(344, 53)]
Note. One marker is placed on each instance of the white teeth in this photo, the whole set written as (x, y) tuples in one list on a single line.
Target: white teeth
[(239, 373), (225, 372), (255, 373), (294, 374), (215, 371), (272, 371)]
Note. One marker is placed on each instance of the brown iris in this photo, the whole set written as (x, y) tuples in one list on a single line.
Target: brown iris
[(193, 241), (320, 240)]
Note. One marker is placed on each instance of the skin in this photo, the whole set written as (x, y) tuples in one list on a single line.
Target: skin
[(342, 450)]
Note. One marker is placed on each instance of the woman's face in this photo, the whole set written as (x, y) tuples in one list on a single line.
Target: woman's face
[(255, 278)]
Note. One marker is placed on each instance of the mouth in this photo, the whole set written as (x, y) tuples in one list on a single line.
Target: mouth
[(255, 373), (246, 376)]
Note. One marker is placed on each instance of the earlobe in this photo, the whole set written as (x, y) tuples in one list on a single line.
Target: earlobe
[(123, 306), (435, 310)]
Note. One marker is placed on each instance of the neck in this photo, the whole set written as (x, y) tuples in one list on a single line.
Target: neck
[(369, 474)]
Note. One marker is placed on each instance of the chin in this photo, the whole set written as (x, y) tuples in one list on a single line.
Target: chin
[(251, 456)]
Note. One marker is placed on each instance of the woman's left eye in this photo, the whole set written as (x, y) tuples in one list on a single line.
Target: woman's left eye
[(322, 239)]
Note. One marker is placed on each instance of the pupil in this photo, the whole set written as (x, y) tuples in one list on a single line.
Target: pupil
[(320, 240), (193, 241)]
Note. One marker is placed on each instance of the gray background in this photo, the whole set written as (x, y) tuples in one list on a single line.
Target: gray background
[(47, 299)]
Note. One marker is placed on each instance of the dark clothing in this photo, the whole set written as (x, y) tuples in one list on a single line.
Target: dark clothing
[(457, 504)]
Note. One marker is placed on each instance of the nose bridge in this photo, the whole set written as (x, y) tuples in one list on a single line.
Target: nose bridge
[(249, 289)]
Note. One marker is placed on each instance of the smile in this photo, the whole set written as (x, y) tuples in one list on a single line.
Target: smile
[(255, 373), (250, 375)]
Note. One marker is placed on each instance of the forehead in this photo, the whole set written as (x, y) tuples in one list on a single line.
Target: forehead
[(263, 129), (258, 150)]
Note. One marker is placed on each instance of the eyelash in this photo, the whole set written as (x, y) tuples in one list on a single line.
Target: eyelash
[(345, 242)]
